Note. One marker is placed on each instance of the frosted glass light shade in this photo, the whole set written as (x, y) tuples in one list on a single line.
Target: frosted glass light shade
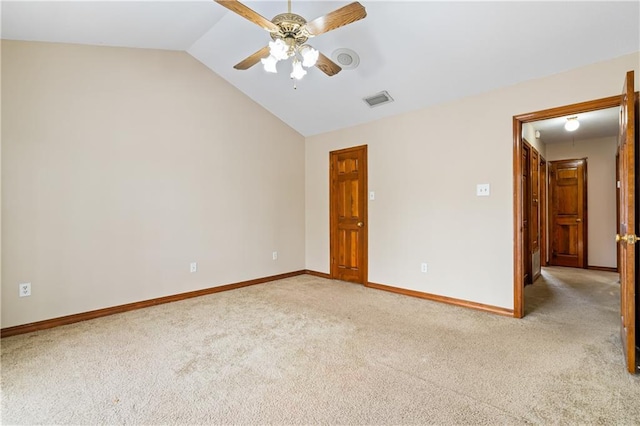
[(309, 55), (298, 72), (572, 124), (279, 49), (270, 64)]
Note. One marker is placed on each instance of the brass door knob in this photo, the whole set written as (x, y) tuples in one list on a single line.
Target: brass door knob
[(578, 220), (360, 224), (629, 239)]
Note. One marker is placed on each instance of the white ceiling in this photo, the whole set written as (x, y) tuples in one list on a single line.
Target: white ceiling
[(593, 125), (423, 53)]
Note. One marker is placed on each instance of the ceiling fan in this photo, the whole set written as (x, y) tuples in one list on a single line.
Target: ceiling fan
[(290, 32)]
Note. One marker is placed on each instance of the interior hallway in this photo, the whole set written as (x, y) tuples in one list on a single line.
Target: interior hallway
[(591, 292)]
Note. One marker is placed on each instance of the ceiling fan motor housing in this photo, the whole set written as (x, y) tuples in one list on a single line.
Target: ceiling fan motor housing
[(290, 29)]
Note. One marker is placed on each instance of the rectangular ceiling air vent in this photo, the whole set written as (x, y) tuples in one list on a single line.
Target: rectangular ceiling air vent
[(378, 99)]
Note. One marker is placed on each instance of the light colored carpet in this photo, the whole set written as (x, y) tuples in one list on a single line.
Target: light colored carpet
[(310, 350)]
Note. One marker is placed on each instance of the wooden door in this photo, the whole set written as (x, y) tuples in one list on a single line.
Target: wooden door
[(543, 212), (618, 248), (534, 218), (569, 213), (627, 147), (526, 212), (534, 226), (348, 216)]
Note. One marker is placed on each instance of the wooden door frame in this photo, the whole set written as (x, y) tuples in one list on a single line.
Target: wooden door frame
[(333, 220), (518, 121)]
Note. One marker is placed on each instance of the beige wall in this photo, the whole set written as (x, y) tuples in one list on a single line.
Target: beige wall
[(601, 193), (121, 166), (424, 167)]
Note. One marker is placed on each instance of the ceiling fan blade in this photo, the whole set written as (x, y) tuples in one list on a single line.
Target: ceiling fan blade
[(248, 13), (327, 66), (251, 60), (340, 17)]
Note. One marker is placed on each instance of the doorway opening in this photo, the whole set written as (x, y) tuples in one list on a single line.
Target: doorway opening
[(523, 254), (628, 146)]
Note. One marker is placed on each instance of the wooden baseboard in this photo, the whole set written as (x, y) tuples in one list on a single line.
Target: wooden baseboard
[(433, 297), (444, 299), (70, 319), (317, 274), (602, 268)]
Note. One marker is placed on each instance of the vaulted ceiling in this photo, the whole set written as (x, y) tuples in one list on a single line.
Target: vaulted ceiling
[(422, 53)]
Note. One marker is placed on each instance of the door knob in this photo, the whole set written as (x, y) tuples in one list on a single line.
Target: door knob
[(360, 224), (578, 220), (629, 239)]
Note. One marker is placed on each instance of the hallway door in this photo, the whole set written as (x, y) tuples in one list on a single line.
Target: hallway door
[(568, 211), (627, 147), (526, 209), (544, 247)]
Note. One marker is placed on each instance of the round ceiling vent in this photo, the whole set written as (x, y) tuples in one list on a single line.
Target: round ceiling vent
[(346, 58)]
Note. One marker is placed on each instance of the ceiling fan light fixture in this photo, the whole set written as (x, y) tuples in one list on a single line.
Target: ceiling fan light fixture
[(270, 64), (572, 124), (309, 55), (290, 32), (298, 72)]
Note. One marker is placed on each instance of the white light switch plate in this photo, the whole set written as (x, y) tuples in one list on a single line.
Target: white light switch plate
[(483, 190)]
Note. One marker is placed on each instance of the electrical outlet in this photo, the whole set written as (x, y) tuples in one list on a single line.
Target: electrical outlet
[(193, 267), (423, 267), (274, 255), (24, 289)]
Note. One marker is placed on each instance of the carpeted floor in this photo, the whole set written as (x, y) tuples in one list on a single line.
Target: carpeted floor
[(310, 350)]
